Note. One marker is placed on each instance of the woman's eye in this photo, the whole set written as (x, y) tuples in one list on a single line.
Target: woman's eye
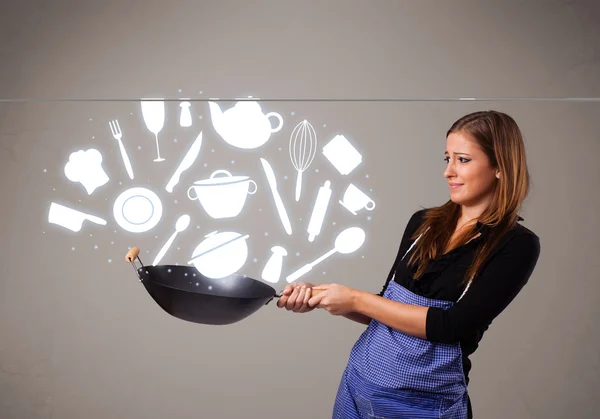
[(463, 160)]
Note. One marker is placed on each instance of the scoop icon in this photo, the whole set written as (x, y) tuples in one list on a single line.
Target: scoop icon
[(348, 241)]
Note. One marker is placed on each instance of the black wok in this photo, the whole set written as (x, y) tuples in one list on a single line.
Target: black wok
[(183, 292)]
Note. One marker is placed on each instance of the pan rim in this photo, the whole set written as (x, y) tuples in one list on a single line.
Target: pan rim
[(274, 294)]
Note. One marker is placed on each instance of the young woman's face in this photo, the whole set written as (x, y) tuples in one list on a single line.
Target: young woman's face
[(468, 171)]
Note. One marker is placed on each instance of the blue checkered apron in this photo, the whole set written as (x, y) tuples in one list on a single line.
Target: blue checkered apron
[(393, 375)]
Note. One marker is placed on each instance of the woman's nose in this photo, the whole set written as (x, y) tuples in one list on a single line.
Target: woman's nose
[(449, 171)]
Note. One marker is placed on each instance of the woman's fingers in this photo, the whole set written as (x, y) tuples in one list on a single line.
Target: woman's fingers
[(300, 299)]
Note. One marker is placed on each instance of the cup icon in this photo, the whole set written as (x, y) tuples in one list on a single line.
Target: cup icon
[(354, 200)]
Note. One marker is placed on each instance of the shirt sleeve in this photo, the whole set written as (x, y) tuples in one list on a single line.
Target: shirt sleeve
[(500, 281), (413, 223)]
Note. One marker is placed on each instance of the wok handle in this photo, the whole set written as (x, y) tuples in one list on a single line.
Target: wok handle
[(313, 292), (132, 254)]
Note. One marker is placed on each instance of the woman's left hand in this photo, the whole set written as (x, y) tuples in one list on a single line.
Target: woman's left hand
[(336, 299)]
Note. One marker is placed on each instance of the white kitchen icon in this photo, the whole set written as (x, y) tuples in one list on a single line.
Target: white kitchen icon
[(185, 117), (86, 167), (69, 218), (354, 200), (220, 254), (272, 270), (222, 196), (244, 125), (348, 241), (344, 157), (319, 210)]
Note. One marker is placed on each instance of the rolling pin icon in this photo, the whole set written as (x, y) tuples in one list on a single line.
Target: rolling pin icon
[(318, 214)]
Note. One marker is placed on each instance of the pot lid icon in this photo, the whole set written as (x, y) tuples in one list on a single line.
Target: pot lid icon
[(220, 254)]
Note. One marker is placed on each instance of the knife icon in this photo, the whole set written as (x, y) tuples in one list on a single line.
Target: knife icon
[(278, 203)]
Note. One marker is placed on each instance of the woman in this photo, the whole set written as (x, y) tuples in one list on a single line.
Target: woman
[(458, 267)]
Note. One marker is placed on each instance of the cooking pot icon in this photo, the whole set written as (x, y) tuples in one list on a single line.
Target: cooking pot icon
[(222, 197)]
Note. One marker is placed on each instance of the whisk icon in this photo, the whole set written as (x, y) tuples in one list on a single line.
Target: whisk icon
[(303, 147)]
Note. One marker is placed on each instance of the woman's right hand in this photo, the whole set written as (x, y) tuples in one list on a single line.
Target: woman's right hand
[(295, 297)]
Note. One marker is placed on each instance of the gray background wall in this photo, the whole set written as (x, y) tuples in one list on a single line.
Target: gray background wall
[(79, 337)]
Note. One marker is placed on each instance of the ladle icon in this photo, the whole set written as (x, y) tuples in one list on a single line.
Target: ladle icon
[(182, 223), (348, 241)]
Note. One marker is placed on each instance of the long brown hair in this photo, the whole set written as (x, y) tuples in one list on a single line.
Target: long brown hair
[(499, 136)]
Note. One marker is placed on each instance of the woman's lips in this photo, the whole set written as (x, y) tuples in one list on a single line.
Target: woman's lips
[(455, 185)]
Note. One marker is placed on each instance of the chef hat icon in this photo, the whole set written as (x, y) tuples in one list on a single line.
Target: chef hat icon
[(86, 167)]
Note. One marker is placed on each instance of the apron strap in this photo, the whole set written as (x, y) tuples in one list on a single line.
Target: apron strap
[(410, 248)]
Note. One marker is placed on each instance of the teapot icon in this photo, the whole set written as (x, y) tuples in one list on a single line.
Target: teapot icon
[(245, 125)]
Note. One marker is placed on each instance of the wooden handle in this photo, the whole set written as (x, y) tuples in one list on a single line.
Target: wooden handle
[(132, 254), (314, 292)]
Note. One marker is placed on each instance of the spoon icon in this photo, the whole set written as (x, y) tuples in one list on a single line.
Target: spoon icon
[(348, 241), (182, 223)]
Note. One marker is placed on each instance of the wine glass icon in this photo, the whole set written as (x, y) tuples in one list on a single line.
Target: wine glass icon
[(153, 112)]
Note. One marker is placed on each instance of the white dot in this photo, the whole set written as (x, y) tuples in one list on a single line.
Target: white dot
[(324, 125), (254, 260), (367, 176), (139, 147), (317, 170), (93, 137), (334, 223), (109, 260), (200, 92), (285, 177), (185, 274), (293, 113), (369, 218), (168, 270), (72, 248), (266, 234), (174, 140), (205, 165), (179, 90), (232, 161), (112, 242), (45, 170), (95, 246), (212, 151), (176, 201), (297, 253)]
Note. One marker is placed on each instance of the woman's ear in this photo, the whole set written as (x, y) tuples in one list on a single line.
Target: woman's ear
[(498, 174)]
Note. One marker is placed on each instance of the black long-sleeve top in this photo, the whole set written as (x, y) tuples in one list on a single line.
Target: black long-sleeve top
[(502, 277)]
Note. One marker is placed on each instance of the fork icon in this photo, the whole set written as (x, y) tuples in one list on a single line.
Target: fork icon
[(117, 134)]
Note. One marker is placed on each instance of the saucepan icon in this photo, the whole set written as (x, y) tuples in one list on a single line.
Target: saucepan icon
[(183, 292)]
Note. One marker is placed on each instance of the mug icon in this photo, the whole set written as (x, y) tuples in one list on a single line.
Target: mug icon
[(354, 200)]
